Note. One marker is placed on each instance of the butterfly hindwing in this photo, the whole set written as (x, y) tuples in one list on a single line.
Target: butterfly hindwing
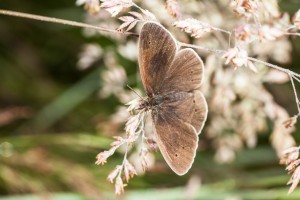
[(176, 140), (199, 111), (192, 109)]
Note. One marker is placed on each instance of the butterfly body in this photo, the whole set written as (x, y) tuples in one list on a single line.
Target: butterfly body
[(157, 101), (172, 78)]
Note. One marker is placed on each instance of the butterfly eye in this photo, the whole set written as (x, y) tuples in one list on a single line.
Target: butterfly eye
[(176, 155)]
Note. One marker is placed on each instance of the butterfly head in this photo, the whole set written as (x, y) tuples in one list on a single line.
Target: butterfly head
[(139, 104), (144, 104)]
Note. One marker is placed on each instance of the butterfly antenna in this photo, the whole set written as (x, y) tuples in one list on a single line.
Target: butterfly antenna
[(135, 92)]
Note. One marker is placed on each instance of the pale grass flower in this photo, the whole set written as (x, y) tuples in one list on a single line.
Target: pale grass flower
[(224, 154), (114, 7), (129, 51), (119, 186), (133, 104), (289, 155), (271, 8), (149, 15), (139, 162), (118, 118), (143, 156), (290, 122), (294, 180), (89, 55), (152, 145), (282, 52), (281, 137), (118, 141), (92, 6), (238, 58), (278, 50), (296, 19), (132, 137), (292, 166), (114, 173), (102, 156), (132, 124), (275, 76), (226, 147), (195, 27), (136, 15), (244, 33), (80, 2), (173, 8), (129, 170), (291, 159), (114, 80), (244, 8), (128, 21), (267, 32), (144, 164)]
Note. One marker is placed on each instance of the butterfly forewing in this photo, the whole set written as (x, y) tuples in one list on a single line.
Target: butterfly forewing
[(157, 49), (185, 73)]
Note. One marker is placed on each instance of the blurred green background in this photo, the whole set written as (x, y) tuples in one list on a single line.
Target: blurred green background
[(49, 112)]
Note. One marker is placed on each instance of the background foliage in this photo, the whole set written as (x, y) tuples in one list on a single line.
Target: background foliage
[(51, 117)]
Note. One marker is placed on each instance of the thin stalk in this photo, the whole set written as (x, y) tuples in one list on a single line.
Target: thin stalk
[(294, 34), (289, 72), (295, 93), (297, 79), (60, 21), (181, 44)]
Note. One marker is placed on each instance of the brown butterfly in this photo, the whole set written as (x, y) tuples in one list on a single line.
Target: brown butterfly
[(172, 78)]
